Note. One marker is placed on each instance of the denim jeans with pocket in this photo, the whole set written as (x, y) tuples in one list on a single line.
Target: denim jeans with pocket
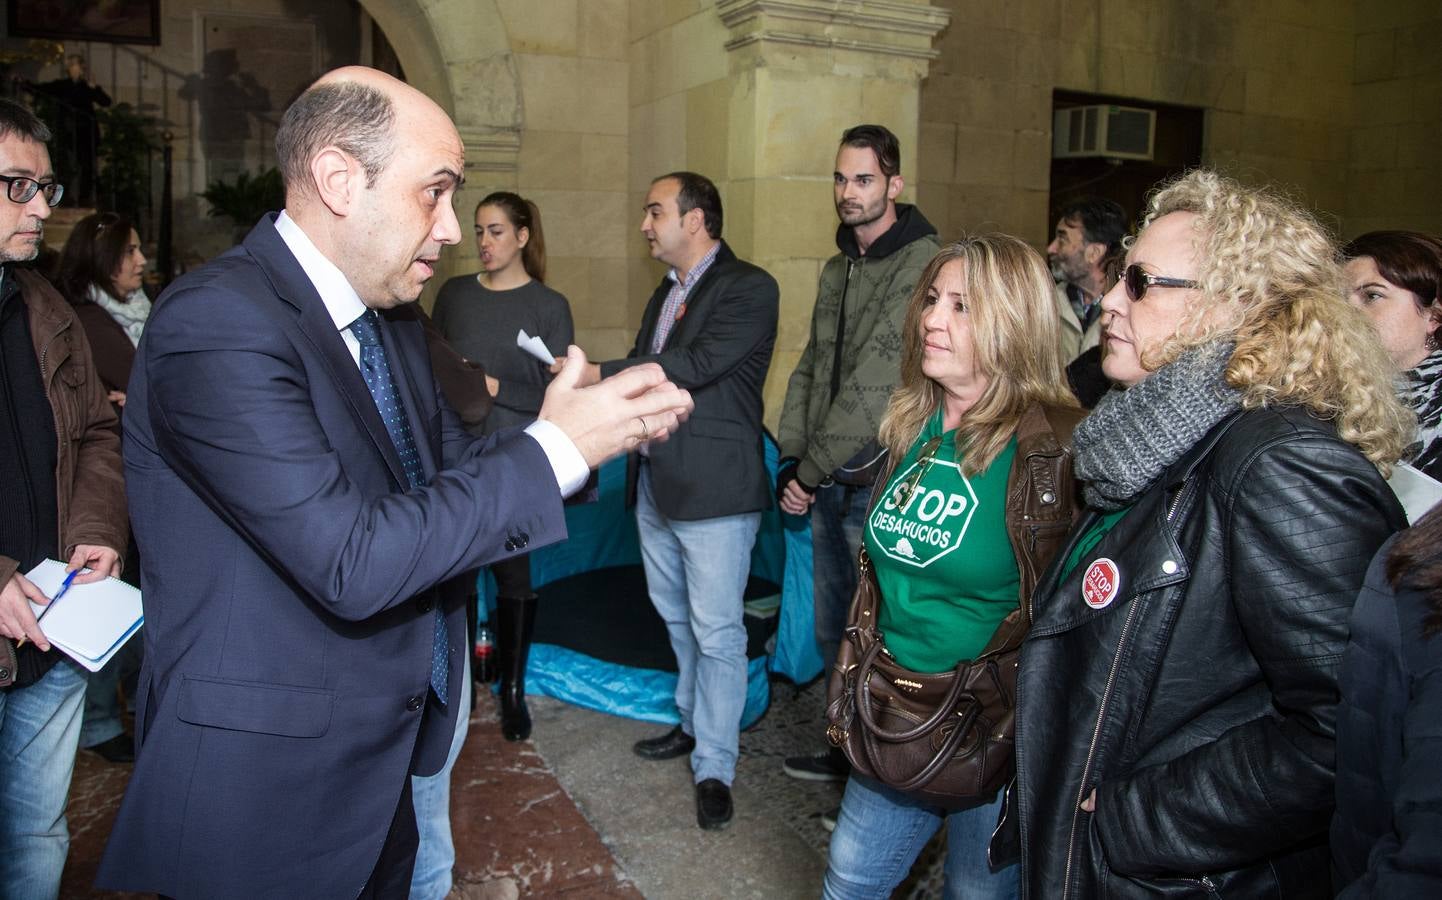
[(39, 734)]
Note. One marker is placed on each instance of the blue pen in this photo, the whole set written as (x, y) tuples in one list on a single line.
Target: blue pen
[(64, 586)]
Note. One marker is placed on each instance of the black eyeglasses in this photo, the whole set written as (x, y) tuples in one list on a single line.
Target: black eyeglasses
[(1138, 280), (21, 189)]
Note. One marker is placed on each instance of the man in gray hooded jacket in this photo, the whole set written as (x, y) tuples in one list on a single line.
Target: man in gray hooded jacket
[(839, 390)]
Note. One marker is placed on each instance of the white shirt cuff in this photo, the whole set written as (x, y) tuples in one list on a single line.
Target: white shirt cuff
[(566, 461)]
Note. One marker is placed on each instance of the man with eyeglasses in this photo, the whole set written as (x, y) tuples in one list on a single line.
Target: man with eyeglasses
[(64, 498)]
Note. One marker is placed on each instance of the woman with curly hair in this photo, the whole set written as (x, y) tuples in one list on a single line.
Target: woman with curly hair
[(1385, 836), (1395, 277), (1177, 691)]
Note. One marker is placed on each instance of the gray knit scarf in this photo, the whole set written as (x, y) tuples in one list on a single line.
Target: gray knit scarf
[(1133, 435)]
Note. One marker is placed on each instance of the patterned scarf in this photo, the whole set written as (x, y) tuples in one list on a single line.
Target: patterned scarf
[(1134, 435), (1421, 390), (131, 314)]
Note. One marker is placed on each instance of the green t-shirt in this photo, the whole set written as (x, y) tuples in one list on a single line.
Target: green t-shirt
[(943, 561), (1088, 541)]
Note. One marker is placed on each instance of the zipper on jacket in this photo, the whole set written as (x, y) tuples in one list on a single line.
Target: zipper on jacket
[(1097, 730), (840, 333)]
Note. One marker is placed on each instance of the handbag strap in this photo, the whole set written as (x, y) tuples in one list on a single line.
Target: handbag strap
[(863, 705), (933, 766)]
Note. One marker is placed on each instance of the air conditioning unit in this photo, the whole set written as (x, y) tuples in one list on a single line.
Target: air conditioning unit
[(1119, 132)]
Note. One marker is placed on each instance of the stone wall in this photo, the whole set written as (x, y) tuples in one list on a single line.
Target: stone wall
[(571, 60), (578, 104), (1275, 79), (1394, 179)]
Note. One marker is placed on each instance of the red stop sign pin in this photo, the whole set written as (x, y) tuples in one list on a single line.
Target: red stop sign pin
[(1102, 584)]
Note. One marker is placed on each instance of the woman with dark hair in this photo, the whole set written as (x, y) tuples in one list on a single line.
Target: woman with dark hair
[(1387, 831), (101, 273), (1396, 277), (1177, 692), (979, 430), (480, 315)]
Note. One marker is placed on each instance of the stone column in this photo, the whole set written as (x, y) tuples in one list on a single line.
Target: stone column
[(799, 73)]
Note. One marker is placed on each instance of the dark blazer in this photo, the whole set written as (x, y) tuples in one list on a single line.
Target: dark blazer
[(714, 465), (289, 584), (109, 345), (1387, 831)]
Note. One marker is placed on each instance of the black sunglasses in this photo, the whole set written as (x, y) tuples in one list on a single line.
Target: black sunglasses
[(21, 189), (1138, 280)]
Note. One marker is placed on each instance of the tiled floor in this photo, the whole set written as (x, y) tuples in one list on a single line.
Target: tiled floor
[(572, 813)]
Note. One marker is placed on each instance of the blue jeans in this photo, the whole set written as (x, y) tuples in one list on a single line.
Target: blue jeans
[(837, 517), (696, 575), (880, 832), (431, 797), (39, 732)]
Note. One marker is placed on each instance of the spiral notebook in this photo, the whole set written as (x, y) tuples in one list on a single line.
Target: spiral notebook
[(91, 622)]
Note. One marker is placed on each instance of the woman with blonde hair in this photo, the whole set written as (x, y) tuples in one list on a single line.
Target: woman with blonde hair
[(972, 511), (1177, 692)]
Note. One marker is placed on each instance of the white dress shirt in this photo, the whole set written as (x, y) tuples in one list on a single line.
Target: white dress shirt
[(345, 306)]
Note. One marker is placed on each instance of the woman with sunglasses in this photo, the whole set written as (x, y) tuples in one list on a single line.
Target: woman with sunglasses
[(479, 316), (972, 512), (1177, 692), (1396, 277)]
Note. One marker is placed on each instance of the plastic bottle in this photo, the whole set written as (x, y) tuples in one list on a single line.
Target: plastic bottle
[(484, 670)]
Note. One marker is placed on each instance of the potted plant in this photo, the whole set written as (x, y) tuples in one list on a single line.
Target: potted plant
[(245, 199)]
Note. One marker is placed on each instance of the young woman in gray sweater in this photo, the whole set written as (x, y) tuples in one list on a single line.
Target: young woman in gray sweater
[(479, 316)]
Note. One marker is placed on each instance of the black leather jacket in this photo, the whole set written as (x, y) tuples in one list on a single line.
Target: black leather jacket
[(1200, 703)]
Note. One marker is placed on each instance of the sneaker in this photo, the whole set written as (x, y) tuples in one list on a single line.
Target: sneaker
[(828, 819), (826, 766)]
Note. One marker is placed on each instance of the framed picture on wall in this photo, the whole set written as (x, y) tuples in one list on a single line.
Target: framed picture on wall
[(116, 21)]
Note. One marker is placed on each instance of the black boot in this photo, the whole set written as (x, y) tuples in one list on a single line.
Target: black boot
[(515, 621)]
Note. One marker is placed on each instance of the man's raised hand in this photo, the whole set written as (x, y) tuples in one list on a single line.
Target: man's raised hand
[(616, 414)]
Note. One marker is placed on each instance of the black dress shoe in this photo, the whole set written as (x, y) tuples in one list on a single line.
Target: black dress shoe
[(670, 745), (713, 805), (119, 749)]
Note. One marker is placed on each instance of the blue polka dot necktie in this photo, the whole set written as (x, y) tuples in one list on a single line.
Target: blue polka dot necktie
[(377, 371)]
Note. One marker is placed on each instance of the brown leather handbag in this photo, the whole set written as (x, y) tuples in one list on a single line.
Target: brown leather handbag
[(946, 738)]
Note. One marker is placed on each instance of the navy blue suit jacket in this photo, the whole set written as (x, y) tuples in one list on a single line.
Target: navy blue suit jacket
[(289, 583)]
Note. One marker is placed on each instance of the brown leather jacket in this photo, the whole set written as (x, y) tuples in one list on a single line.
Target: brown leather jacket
[(1041, 494), (90, 487)]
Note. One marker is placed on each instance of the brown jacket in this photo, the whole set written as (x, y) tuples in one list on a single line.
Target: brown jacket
[(110, 346), (1041, 493), (90, 489)]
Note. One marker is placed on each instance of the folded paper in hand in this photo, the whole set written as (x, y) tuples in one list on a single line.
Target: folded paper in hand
[(1416, 490), (92, 621), (534, 346)]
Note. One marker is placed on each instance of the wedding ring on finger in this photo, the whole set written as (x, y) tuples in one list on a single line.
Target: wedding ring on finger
[(645, 430)]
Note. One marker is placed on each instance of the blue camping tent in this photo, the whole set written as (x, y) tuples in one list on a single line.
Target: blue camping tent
[(603, 540)]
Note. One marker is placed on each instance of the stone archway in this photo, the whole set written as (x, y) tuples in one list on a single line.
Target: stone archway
[(458, 53)]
